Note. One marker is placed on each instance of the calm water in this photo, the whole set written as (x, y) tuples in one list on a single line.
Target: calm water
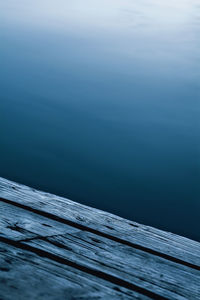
[(99, 102)]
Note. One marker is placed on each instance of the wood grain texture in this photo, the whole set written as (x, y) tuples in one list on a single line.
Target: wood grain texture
[(108, 257), (25, 275)]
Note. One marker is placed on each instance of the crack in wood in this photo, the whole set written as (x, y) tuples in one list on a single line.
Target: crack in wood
[(102, 234), (41, 237), (100, 274)]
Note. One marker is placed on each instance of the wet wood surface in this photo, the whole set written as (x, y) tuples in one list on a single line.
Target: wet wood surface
[(54, 248)]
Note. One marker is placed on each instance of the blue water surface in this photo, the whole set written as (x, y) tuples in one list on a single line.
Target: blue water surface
[(99, 103)]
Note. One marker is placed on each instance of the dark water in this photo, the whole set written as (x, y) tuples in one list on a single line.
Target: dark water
[(99, 102)]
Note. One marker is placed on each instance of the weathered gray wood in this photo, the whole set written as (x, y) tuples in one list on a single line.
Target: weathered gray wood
[(136, 234), (99, 253), (95, 248), (25, 275)]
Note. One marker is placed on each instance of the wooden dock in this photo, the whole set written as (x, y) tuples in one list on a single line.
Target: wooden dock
[(54, 248)]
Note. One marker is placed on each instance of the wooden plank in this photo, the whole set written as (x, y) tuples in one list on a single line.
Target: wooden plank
[(140, 269), (19, 224), (26, 222), (160, 243), (85, 251), (25, 275)]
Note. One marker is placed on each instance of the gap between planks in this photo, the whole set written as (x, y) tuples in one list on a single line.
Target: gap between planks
[(105, 235)]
